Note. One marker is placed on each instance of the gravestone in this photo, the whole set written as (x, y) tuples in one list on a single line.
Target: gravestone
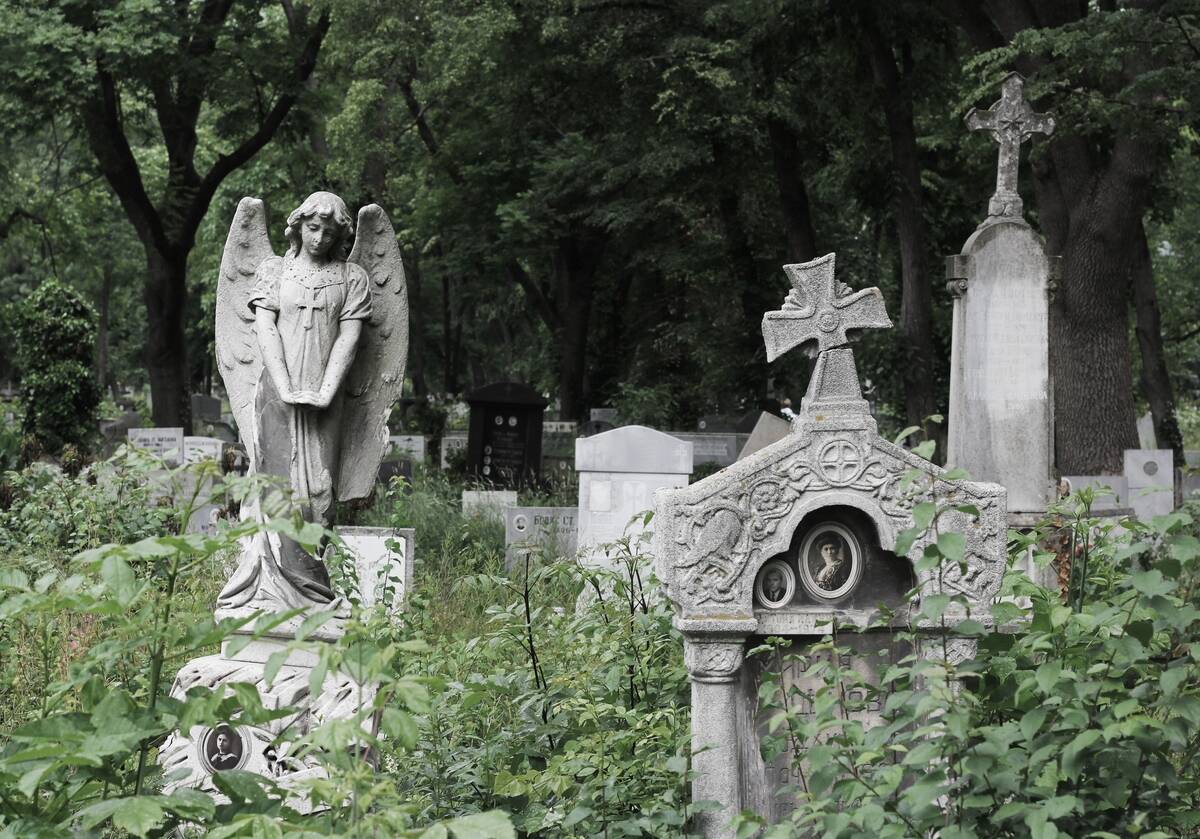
[(1150, 476), (549, 529), (1147, 439), (1190, 480), (1111, 492), (196, 449), (452, 441), (487, 503), (504, 444), (619, 471), (801, 534), (205, 408), (1001, 423), (413, 445), (720, 449), (716, 424), (769, 429), (164, 443)]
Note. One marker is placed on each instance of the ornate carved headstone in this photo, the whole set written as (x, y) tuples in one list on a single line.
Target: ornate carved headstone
[(1001, 420), (798, 535)]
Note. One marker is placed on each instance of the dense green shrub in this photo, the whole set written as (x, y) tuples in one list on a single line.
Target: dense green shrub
[(54, 331)]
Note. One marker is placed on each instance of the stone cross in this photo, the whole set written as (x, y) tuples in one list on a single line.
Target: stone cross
[(1011, 121), (308, 308), (818, 308)]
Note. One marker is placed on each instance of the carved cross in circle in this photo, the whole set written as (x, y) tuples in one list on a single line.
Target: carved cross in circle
[(1010, 121), (308, 307), (840, 462)]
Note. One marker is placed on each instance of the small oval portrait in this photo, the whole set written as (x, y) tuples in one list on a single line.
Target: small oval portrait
[(776, 584), (831, 561), (222, 747)]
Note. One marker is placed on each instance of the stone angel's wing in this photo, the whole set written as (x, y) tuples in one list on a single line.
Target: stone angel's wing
[(374, 381), (238, 356)]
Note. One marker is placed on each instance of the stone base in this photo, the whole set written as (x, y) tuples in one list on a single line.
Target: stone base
[(189, 760)]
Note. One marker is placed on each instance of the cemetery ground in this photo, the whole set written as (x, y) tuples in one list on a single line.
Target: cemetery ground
[(503, 711)]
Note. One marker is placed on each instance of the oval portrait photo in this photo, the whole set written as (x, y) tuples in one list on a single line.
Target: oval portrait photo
[(222, 748), (776, 584), (830, 561)]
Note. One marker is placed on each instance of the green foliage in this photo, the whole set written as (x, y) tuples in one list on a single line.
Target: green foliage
[(53, 331), (1073, 719)]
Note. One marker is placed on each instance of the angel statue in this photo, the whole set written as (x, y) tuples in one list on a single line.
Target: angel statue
[(311, 346)]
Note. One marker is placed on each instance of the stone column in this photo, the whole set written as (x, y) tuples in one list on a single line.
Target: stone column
[(714, 664)]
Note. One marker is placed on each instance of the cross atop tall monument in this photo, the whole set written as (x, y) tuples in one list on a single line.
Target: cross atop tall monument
[(1011, 121), (820, 309)]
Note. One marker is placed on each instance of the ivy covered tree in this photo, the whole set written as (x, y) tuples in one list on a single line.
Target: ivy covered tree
[(53, 336)]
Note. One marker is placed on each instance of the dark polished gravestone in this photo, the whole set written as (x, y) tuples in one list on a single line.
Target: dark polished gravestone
[(504, 443)]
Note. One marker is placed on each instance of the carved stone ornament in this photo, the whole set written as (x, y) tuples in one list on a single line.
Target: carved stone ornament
[(714, 661)]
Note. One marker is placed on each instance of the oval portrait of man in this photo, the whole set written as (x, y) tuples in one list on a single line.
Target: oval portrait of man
[(830, 561), (222, 748), (776, 584)]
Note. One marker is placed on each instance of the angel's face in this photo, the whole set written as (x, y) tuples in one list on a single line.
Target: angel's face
[(317, 235)]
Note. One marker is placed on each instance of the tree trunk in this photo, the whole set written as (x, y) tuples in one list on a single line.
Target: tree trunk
[(793, 194), (1156, 382), (416, 325), (916, 298), (105, 302), (575, 262), (166, 347)]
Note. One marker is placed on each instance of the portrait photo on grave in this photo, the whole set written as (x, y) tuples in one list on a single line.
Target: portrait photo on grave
[(222, 747), (831, 561), (776, 584)]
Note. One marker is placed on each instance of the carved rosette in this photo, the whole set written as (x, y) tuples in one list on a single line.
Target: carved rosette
[(714, 660)]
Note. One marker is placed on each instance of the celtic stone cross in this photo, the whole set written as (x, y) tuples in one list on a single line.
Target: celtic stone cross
[(1011, 121), (820, 309)]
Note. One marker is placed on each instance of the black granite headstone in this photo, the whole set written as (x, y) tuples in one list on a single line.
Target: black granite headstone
[(504, 444)]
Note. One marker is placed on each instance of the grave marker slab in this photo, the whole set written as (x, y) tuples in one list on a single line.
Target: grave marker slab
[(619, 471), (414, 445), (553, 529), (1150, 474), (452, 441), (769, 429), (504, 444), (721, 448), (803, 532), (488, 503), (1001, 424), (164, 443)]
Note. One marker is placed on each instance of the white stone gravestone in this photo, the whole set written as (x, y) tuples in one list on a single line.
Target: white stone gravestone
[(1001, 424), (1150, 476), (164, 443), (551, 530), (414, 445), (452, 441), (488, 503), (769, 429), (619, 470), (719, 448)]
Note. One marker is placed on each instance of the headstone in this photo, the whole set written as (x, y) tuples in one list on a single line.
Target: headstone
[(1001, 425), (116, 431), (383, 563), (205, 408), (396, 467), (220, 429), (720, 449), (769, 429), (1111, 492), (608, 415), (1150, 474), (1145, 429), (619, 471), (196, 449), (163, 443), (452, 441), (560, 427), (487, 503), (413, 445), (1190, 482), (716, 424), (504, 446), (802, 533), (549, 529)]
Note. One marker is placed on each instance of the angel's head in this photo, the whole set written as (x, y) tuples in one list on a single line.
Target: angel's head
[(321, 225)]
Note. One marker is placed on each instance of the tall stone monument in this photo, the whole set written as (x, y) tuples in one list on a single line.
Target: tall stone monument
[(1001, 422), (802, 534), (311, 347)]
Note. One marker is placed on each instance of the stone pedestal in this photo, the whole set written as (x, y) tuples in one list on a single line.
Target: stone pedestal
[(190, 758)]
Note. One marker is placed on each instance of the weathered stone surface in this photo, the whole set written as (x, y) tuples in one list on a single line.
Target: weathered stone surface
[(1147, 439), (414, 445), (205, 408), (1001, 424), (1010, 121), (798, 535), (548, 530), (769, 429), (1150, 475), (452, 441), (619, 471), (488, 503), (717, 448), (164, 443)]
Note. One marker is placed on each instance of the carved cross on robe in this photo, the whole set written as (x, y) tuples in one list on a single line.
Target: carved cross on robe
[(308, 307), (1011, 121), (818, 308)]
